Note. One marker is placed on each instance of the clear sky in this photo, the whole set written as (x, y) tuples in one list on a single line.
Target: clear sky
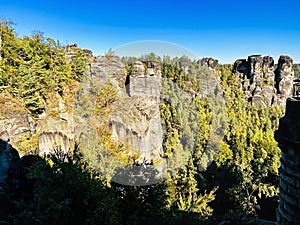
[(225, 30)]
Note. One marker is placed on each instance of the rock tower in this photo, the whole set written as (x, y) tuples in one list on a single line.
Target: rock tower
[(262, 83)]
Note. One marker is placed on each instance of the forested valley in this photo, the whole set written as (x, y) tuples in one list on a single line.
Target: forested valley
[(62, 188)]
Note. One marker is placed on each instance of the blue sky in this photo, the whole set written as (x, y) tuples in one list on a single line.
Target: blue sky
[(225, 30)]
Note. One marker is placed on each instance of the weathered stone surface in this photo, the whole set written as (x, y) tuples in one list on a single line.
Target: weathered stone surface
[(288, 136), (184, 63), (108, 69), (261, 84), (56, 127), (136, 122), (241, 66), (284, 76), (15, 126), (255, 66), (15, 122), (136, 118), (144, 79), (209, 62)]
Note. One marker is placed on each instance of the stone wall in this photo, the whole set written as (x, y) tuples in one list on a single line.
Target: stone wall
[(288, 136)]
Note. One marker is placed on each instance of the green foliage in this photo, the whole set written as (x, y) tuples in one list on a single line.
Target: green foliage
[(249, 152), (183, 194), (27, 144), (296, 68), (66, 191), (32, 67)]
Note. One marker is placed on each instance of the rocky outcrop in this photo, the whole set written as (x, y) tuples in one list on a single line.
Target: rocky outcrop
[(136, 118), (134, 115), (184, 63), (144, 79), (15, 126), (15, 122), (108, 69), (136, 122), (261, 83), (209, 62), (284, 76), (55, 128)]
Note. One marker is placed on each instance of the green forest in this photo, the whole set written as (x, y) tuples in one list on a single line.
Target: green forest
[(241, 182)]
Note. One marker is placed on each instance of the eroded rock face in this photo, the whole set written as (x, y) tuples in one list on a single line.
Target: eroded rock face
[(209, 62), (136, 122), (184, 63), (15, 122), (136, 118), (288, 137), (284, 76), (106, 69), (56, 127), (144, 79), (261, 84), (134, 115), (14, 127), (241, 66)]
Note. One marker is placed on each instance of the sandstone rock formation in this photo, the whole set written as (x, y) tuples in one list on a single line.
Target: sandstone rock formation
[(136, 119), (261, 83), (184, 63), (144, 79), (55, 128), (284, 76), (136, 122), (209, 62), (15, 122), (104, 69)]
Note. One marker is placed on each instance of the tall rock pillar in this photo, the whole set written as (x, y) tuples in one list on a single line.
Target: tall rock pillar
[(288, 137)]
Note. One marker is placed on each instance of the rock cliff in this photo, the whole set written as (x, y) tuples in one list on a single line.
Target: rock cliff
[(15, 121), (136, 118), (261, 83), (284, 76)]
